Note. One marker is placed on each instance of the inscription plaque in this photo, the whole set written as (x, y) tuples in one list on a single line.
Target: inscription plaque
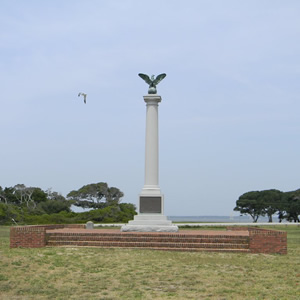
[(150, 204)]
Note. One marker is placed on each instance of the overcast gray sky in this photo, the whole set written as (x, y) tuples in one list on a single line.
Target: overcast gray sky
[(229, 117)]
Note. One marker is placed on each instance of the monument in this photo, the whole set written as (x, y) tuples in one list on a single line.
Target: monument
[(150, 215)]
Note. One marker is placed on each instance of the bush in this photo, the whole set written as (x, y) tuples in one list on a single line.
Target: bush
[(8, 213), (121, 213), (110, 214), (60, 218)]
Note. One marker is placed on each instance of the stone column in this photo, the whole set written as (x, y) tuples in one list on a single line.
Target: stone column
[(151, 153), (151, 202)]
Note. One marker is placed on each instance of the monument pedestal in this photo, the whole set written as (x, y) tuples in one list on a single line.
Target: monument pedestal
[(151, 202), (150, 223), (150, 215)]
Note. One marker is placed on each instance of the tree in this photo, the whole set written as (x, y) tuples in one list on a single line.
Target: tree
[(55, 203), (3, 199), (249, 203), (270, 201), (95, 195), (7, 195), (127, 212), (29, 196), (122, 213), (290, 208), (9, 213), (32, 205)]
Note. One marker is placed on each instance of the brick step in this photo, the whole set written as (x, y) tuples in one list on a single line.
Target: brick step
[(122, 238), (236, 250), (187, 249), (151, 244), (200, 249), (142, 234)]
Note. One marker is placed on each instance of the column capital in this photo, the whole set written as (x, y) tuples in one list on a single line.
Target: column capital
[(152, 99)]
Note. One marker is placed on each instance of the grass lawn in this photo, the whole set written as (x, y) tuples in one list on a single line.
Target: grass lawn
[(95, 273)]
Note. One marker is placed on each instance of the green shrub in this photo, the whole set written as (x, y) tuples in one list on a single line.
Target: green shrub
[(121, 213), (8, 213)]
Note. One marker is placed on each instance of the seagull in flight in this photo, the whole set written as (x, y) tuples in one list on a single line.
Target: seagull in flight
[(84, 96)]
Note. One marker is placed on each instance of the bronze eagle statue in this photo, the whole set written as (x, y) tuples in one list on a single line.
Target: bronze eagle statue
[(153, 82)]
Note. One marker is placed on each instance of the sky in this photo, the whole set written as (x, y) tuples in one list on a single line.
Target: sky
[(229, 117)]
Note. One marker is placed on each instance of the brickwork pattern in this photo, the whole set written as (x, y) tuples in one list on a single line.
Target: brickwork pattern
[(265, 240), (34, 236), (235, 239), (182, 241)]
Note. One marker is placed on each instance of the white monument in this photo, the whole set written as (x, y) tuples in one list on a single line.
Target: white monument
[(150, 215)]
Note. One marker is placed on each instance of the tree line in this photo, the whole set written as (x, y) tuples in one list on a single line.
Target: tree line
[(270, 202), (21, 204)]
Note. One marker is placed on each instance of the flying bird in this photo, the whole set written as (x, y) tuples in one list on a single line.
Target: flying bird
[(84, 96)]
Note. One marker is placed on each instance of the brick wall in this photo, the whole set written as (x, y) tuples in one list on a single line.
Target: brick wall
[(264, 240), (267, 241), (260, 240), (34, 236), (27, 237)]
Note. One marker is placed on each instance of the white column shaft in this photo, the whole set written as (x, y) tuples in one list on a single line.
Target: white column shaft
[(151, 149)]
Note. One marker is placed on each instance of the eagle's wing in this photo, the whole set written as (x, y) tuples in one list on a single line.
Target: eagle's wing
[(159, 78), (146, 78)]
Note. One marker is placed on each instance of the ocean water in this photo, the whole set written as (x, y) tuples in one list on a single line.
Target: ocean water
[(219, 219)]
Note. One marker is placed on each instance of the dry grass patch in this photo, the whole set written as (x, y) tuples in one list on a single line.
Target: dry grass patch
[(95, 273)]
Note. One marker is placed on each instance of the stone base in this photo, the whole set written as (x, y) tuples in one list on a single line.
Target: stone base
[(148, 228), (150, 223)]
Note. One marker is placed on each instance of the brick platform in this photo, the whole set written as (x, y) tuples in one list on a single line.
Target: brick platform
[(241, 240), (183, 241)]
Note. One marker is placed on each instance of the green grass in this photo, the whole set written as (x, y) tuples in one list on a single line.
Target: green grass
[(95, 273)]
